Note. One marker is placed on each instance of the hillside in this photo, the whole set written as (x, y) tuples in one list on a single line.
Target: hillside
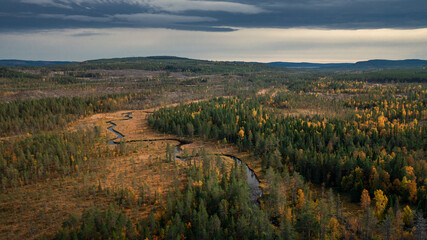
[(362, 65), (29, 63), (173, 63)]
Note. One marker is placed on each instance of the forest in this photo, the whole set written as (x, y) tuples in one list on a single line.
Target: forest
[(374, 152), (335, 154)]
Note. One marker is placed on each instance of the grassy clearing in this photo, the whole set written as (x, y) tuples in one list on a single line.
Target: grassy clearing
[(139, 181)]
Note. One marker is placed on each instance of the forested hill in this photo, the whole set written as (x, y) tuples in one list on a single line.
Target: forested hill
[(172, 63), (408, 63), (28, 63), (167, 63), (362, 65)]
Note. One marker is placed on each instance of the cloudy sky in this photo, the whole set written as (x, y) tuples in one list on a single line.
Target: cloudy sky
[(251, 30)]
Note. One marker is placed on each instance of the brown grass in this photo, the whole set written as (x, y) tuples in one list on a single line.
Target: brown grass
[(32, 211)]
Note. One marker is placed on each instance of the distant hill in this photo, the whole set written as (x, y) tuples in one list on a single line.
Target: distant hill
[(309, 65), (181, 64), (362, 65), (139, 59), (167, 63), (28, 63), (408, 63)]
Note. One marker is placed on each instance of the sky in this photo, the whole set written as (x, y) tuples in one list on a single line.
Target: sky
[(233, 30)]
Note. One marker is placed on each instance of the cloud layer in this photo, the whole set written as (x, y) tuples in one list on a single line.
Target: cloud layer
[(16, 15), (251, 30)]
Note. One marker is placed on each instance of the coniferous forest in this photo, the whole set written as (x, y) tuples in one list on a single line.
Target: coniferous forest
[(173, 148)]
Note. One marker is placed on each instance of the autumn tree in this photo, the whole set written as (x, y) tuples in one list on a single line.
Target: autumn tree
[(365, 200), (380, 203)]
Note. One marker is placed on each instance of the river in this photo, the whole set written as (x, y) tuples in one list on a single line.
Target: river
[(252, 179)]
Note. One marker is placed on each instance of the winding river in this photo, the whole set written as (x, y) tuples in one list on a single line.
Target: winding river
[(119, 135), (252, 179)]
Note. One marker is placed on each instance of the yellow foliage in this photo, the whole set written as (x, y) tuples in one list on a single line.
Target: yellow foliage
[(410, 173), (334, 228), (241, 134), (197, 183), (404, 181), (380, 202), (415, 122), (289, 215), (407, 215), (412, 189), (254, 113), (381, 122), (300, 199)]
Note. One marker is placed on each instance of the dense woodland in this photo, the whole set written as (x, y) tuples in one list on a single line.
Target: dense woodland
[(166, 63), (29, 116), (37, 157), (209, 206), (377, 151), (213, 205), (341, 154)]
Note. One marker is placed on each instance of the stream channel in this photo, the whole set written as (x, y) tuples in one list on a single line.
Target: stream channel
[(252, 179)]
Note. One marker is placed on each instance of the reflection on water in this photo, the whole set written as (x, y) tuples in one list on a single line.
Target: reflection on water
[(128, 115), (178, 150), (119, 135), (252, 180)]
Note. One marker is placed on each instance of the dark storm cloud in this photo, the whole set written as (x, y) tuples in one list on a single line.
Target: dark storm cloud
[(21, 15), (335, 14)]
